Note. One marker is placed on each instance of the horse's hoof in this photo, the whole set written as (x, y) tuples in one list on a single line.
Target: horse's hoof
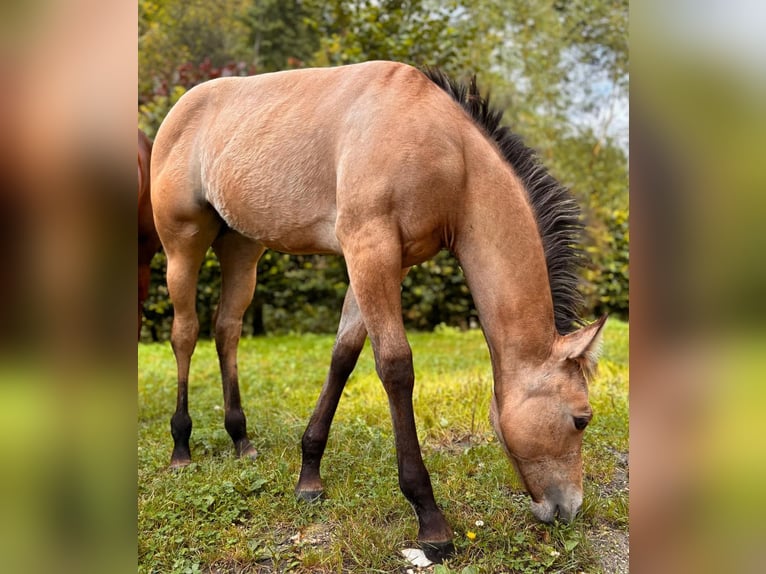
[(437, 551), (178, 463), (310, 495), (248, 452)]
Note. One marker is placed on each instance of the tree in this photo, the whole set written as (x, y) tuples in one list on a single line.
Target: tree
[(173, 33), (283, 33), (418, 32)]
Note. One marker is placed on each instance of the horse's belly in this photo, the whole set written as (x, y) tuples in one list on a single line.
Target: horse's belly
[(317, 238), (280, 221)]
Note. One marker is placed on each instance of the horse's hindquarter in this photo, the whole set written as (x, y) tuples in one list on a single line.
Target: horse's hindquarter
[(282, 155)]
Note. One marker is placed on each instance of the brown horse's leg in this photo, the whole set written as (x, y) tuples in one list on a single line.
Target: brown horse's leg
[(374, 269), (348, 345), (238, 257), (185, 248)]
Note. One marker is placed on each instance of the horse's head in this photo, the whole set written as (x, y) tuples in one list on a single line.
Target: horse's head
[(540, 419)]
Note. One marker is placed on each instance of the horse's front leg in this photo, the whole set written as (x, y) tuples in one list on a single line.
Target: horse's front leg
[(348, 345), (396, 372), (375, 271)]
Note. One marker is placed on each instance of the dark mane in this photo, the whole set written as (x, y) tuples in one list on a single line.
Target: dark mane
[(556, 211)]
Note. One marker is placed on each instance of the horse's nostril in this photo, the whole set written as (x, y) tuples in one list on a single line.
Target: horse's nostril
[(566, 515)]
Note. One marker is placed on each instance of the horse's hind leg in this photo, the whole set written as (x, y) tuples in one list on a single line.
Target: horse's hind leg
[(238, 257), (185, 243), (348, 345)]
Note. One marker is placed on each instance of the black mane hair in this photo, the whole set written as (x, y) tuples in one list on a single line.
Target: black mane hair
[(554, 206)]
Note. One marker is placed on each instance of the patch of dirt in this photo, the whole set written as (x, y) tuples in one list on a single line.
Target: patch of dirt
[(619, 482), (288, 551), (314, 535), (613, 550), (455, 443), (612, 545)]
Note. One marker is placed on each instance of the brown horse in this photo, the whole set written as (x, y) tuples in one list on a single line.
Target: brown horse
[(148, 241), (386, 165)]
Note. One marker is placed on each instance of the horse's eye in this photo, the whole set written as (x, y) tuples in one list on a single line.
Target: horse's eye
[(581, 422)]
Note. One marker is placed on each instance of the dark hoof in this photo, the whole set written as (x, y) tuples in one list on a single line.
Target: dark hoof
[(310, 495), (178, 463), (248, 451), (437, 551)]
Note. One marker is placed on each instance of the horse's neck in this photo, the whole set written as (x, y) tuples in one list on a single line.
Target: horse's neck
[(501, 253)]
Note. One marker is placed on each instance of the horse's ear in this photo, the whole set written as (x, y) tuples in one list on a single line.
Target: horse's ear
[(583, 346)]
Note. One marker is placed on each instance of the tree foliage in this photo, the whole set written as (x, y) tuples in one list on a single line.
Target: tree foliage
[(557, 68), (173, 33), (283, 34)]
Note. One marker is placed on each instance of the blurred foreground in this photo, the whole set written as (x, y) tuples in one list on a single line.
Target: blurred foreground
[(698, 368), (67, 346)]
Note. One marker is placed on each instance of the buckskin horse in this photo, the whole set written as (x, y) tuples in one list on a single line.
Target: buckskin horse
[(148, 241), (385, 164)]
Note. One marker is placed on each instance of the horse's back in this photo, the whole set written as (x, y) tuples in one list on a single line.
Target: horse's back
[(278, 155)]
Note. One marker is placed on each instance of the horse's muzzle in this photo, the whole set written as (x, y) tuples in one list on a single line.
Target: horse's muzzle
[(564, 505)]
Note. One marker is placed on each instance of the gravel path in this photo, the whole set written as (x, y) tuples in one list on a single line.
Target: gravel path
[(613, 550)]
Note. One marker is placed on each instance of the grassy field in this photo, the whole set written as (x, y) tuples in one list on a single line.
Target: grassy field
[(222, 514)]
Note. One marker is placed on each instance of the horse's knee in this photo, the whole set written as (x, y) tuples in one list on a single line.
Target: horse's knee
[(395, 369)]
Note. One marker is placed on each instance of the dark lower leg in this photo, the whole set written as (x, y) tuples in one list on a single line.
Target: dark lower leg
[(315, 437), (236, 425), (238, 257), (348, 345), (183, 337), (180, 429), (235, 422), (375, 272), (434, 534), (185, 245)]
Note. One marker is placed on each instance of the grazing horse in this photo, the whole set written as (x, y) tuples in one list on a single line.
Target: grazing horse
[(148, 241), (386, 165)]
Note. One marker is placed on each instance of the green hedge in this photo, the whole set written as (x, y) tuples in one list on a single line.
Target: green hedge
[(607, 277), (305, 293)]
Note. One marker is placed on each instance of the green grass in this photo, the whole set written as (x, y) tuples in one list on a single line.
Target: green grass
[(222, 514)]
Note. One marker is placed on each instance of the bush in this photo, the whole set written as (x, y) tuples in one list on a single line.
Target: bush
[(304, 294), (607, 278), (294, 294)]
